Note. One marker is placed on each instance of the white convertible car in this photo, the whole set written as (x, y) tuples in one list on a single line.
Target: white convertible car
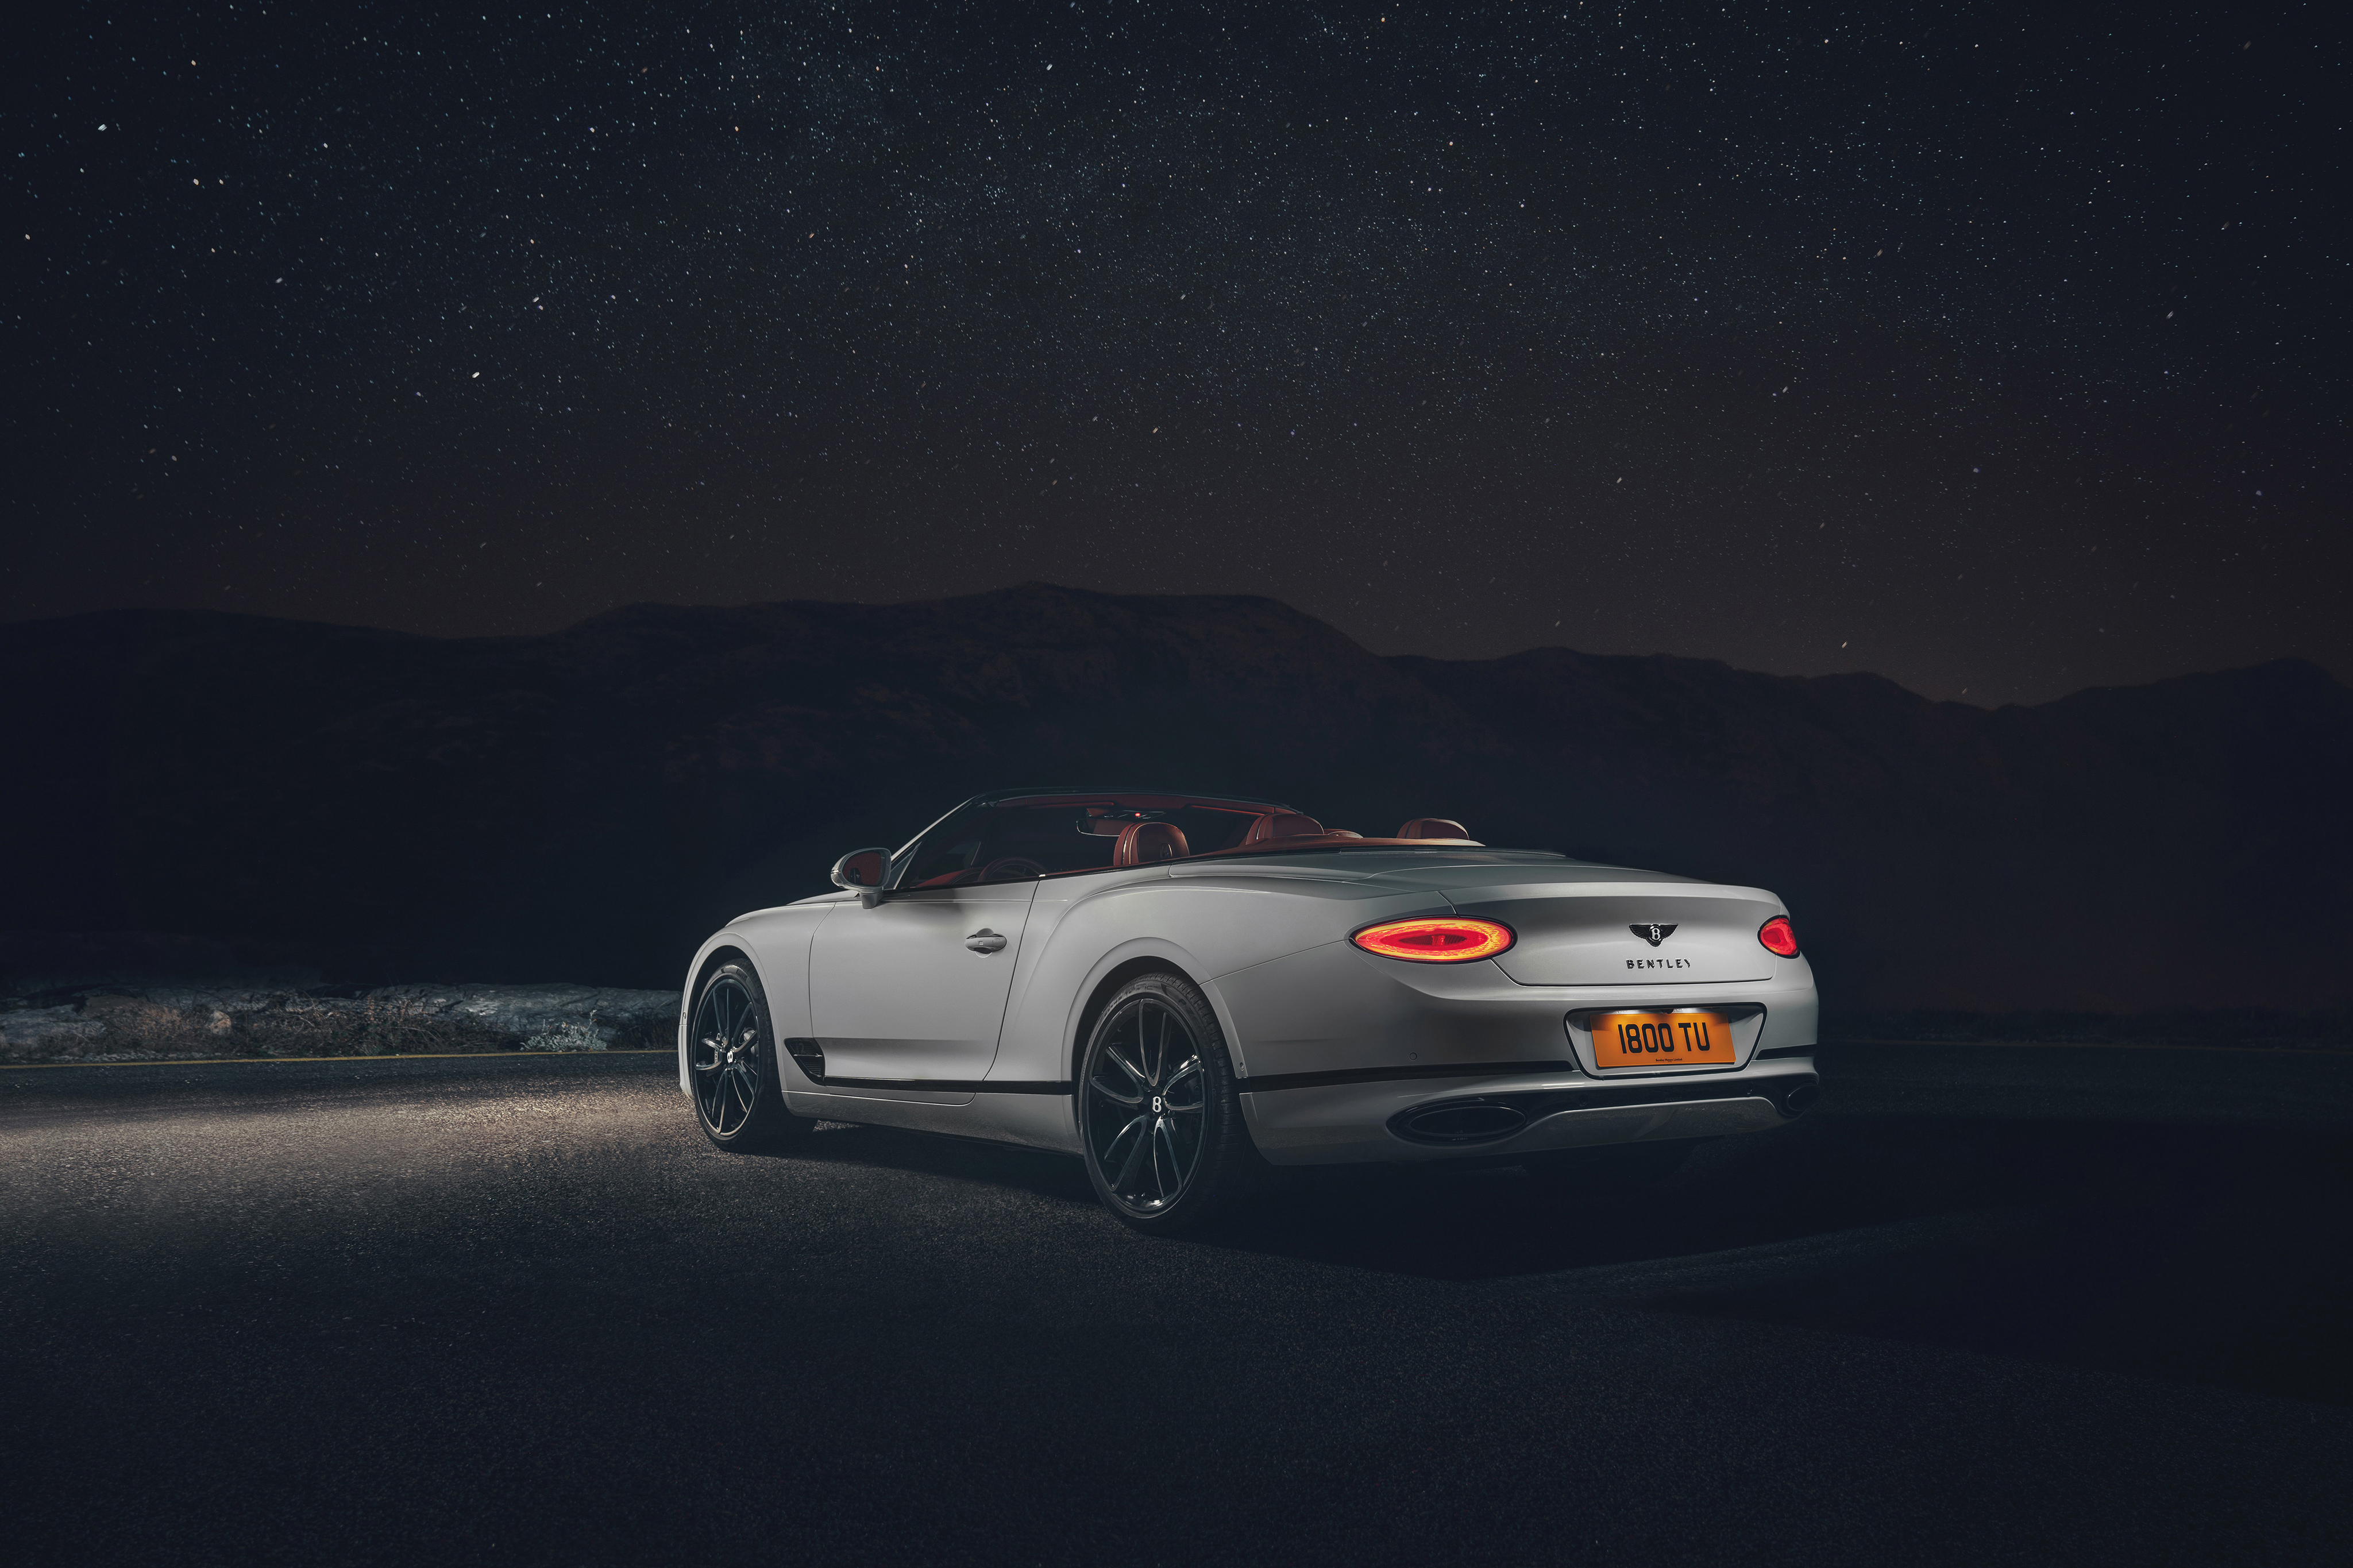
[(1184, 989)]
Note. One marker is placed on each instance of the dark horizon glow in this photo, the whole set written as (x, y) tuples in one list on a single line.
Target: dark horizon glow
[(1999, 351)]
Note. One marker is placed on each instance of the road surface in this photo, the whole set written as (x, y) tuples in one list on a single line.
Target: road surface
[(1987, 1304)]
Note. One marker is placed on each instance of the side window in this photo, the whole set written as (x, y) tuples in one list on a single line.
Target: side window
[(951, 847)]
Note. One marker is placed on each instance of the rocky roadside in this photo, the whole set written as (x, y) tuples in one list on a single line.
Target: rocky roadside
[(189, 1021)]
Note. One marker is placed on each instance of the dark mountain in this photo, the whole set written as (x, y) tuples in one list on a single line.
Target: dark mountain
[(589, 803)]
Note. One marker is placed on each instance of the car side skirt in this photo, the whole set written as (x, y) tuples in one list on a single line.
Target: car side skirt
[(1036, 1116)]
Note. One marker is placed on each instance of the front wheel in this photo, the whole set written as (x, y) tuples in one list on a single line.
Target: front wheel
[(731, 1060), (1159, 1116)]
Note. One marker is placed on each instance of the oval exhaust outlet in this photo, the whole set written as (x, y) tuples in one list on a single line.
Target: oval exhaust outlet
[(1472, 1123)]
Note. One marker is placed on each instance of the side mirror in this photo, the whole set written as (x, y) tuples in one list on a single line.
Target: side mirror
[(862, 871)]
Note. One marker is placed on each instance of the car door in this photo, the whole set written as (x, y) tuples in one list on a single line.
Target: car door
[(912, 990)]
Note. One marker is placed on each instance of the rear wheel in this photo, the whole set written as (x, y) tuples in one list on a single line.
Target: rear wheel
[(1159, 1116), (731, 1059)]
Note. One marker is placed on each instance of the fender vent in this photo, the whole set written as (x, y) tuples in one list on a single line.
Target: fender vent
[(1458, 1122), (811, 1057)]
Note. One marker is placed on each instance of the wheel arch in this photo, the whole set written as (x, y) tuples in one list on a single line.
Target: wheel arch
[(1117, 969), (718, 950), (721, 953)]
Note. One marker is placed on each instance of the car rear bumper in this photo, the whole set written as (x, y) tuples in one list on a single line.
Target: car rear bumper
[(1345, 1058), (1512, 1114)]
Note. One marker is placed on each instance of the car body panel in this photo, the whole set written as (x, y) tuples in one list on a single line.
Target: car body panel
[(1335, 1009), (777, 942), (1573, 924), (1086, 928), (1592, 937), (898, 993)]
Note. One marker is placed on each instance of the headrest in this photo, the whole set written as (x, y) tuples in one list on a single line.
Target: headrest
[(1141, 843), (1432, 828), (1282, 825)]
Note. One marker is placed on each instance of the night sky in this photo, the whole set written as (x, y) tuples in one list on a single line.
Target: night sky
[(2000, 350)]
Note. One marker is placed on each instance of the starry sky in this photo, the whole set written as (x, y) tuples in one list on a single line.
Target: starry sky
[(2001, 349)]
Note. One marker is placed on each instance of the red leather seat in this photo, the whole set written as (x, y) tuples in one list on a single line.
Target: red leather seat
[(1141, 843), (1282, 825), (1432, 828)]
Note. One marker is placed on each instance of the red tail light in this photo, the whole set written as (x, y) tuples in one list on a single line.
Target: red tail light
[(1435, 940), (1779, 936)]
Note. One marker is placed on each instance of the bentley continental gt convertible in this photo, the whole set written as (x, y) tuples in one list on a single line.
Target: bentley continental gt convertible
[(1183, 990)]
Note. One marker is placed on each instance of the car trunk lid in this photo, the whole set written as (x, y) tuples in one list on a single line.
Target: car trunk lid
[(1621, 934)]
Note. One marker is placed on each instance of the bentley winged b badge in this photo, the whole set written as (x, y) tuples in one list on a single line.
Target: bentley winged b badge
[(1654, 934)]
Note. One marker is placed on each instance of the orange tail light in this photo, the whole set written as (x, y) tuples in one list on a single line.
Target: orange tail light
[(1451, 941)]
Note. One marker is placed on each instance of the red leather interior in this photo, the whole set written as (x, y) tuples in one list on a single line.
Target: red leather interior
[(1282, 825), (1142, 843), (1432, 828)]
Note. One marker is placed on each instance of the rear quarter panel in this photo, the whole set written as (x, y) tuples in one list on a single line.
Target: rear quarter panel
[(1335, 1009), (1206, 926)]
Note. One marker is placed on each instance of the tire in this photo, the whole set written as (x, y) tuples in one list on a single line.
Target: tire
[(1161, 1157), (731, 1058), (1609, 1170)]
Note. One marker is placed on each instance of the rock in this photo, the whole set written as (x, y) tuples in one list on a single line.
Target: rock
[(177, 1020), (48, 1031), (620, 1017)]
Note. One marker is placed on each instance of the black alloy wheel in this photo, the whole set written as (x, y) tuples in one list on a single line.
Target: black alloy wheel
[(1159, 1116), (731, 1059)]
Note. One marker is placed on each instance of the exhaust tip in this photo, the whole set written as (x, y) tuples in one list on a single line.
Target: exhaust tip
[(1801, 1099), (1472, 1122)]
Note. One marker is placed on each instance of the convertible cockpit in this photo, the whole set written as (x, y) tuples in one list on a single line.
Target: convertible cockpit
[(1027, 837)]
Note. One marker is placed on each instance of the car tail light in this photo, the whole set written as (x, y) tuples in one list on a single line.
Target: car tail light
[(1435, 940), (1778, 935)]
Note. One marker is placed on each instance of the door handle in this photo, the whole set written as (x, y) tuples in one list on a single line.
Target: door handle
[(985, 940)]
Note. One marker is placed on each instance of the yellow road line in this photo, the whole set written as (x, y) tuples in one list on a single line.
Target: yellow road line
[(388, 1057)]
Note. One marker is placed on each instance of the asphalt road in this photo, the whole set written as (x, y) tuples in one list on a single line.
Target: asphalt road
[(1987, 1305)]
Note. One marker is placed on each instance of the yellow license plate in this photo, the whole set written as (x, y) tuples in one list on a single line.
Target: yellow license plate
[(1677, 1039)]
